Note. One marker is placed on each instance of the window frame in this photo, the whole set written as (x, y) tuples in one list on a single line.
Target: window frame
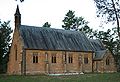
[(35, 57), (54, 59), (85, 60), (70, 58), (108, 61)]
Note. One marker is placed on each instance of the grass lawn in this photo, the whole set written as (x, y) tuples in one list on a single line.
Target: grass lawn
[(105, 77)]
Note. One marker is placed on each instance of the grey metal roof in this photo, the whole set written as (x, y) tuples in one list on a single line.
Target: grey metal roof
[(99, 54), (99, 49), (54, 39), (97, 44), (58, 39)]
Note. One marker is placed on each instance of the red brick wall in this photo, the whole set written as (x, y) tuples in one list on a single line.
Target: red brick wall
[(14, 66), (59, 66)]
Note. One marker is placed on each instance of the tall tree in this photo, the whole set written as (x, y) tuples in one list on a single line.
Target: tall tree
[(111, 10), (5, 38), (108, 39), (71, 22), (88, 31), (46, 24), (80, 23), (111, 42)]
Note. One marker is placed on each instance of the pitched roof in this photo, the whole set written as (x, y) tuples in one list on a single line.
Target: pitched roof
[(99, 49), (97, 44), (54, 39), (99, 54), (58, 39)]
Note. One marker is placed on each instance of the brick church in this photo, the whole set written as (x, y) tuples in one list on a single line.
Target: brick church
[(39, 50)]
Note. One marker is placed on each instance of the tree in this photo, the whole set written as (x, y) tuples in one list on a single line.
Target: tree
[(107, 38), (5, 38), (46, 24), (71, 22), (80, 23), (111, 10), (88, 31)]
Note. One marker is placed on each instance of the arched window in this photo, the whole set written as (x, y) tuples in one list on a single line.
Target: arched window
[(85, 58), (35, 57), (54, 58), (108, 61), (70, 58)]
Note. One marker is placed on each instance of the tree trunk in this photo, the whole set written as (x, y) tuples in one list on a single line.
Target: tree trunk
[(118, 28), (118, 31)]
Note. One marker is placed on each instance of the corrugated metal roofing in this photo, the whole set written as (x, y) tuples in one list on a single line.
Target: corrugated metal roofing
[(99, 54), (97, 45), (99, 49), (54, 39), (58, 39)]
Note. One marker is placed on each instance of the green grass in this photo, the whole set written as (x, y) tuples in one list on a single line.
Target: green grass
[(105, 77)]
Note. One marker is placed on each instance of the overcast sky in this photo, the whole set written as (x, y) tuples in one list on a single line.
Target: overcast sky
[(37, 12)]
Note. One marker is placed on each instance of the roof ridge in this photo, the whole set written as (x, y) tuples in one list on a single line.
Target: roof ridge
[(55, 29)]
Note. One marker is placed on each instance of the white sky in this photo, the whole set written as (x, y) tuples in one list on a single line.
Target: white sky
[(37, 12)]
